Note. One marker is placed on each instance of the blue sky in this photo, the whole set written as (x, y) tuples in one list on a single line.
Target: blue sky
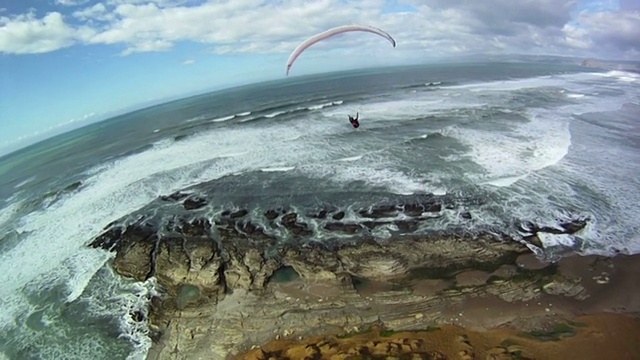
[(70, 62)]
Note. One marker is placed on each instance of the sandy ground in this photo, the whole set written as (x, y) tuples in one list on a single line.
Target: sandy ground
[(598, 336)]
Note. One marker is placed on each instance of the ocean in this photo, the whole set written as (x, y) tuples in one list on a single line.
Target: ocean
[(512, 142)]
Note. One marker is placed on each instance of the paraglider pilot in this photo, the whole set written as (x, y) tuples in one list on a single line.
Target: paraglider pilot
[(354, 121)]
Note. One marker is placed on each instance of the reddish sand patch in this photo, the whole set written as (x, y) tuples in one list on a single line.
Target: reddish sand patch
[(601, 336)]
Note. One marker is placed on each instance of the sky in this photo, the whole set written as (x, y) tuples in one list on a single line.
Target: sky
[(65, 63)]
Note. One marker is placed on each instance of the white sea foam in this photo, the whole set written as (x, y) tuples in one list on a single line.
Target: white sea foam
[(625, 76), (318, 107), (322, 106), (509, 156), (552, 240), (439, 191), (563, 80), (85, 264), (224, 118), (24, 182), (402, 109), (506, 181), (274, 114), (194, 119), (164, 143), (352, 158), (373, 175), (231, 117), (8, 212), (232, 154), (278, 169)]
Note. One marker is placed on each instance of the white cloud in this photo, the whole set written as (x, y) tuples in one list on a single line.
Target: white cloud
[(577, 37), (95, 12), (269, 26), (613, 30), (25, 34), (71, 2), (188, 62)]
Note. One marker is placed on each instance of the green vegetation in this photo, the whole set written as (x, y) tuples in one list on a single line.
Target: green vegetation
[(508, 342), (387, 333), (576, 323), (355, 333), (559, 331)]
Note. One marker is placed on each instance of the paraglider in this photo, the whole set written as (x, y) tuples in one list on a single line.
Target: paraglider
[(354, 121), (332, 32)]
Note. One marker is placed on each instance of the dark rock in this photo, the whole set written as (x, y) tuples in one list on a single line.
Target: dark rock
[(338, 216), (534, 240), (370, 224), (241, 230), (320, 215), (271, 214), (341, 227), (108, 239), (250, 229), (406, 226), (551, 230), (297, 228), (118, 238), (574, 226), (198, 227), (568, 227), (416, 209), (301, 230), (381, 211), (74, 186), (466, 215), (289, 219), (413, 210), (176, 196), (137, 316), (238, 214), (194, 203)]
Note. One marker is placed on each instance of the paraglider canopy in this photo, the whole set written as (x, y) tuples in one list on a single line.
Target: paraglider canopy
[(332, 32)]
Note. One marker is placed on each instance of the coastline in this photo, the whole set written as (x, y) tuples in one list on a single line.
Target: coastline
[(224, 295)]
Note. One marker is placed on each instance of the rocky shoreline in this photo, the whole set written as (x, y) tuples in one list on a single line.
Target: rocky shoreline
[(228, 285)]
